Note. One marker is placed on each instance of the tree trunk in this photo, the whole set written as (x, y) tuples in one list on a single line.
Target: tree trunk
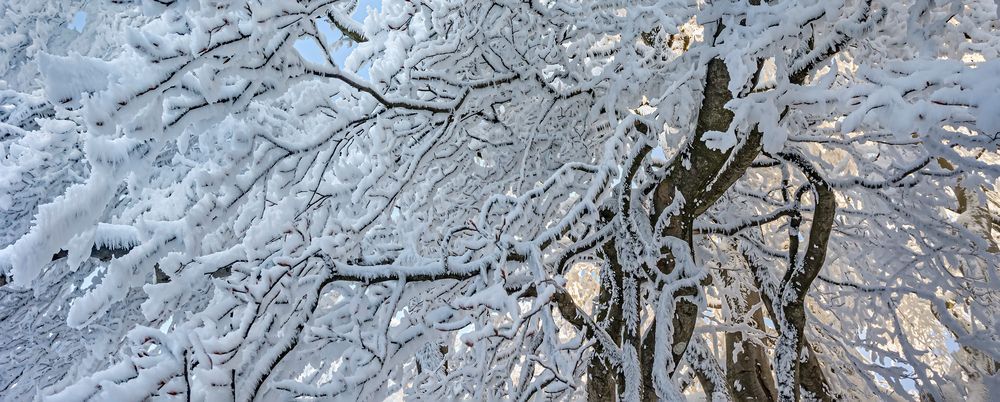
[(602, 376), (813, 378), (710, 175), (798, 279), (748, 366)]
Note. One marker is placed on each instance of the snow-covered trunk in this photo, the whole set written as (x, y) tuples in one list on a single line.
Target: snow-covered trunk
[(710, 374), (791, 318), (812, 377), (601, 381), (700, 175), (748, 366), (602, 375), (685, 317), (786, 353)]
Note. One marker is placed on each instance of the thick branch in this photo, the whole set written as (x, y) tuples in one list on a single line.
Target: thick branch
[(819, 232)]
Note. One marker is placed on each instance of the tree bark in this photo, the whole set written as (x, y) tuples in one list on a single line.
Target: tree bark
[(701, 175), (602, 376), (813, 377), (710, 374), (748, 366), (797, 280), (710, 175)]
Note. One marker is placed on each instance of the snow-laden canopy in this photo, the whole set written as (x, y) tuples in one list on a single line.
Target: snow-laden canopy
[(500, 200)]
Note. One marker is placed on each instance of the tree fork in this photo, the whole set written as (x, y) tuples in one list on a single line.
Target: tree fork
[(709, 177)]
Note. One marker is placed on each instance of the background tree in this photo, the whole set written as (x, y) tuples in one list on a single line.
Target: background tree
[(503, 200)]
